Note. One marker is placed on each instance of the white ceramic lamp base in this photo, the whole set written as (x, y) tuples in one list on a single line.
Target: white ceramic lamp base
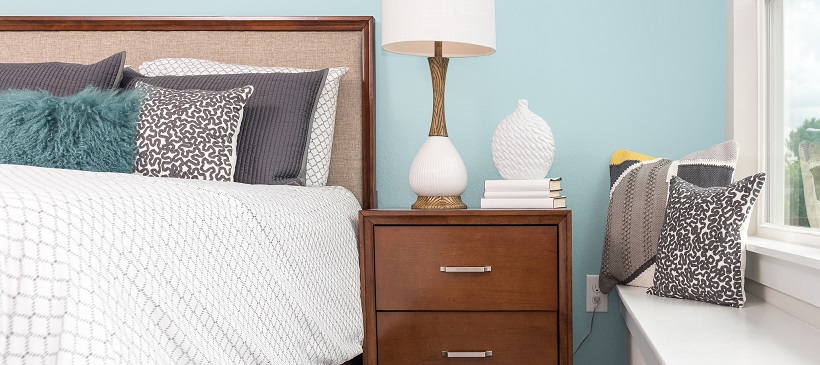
[(438, 175)]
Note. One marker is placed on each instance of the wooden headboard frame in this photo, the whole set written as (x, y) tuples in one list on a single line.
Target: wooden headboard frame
[(354, 153)]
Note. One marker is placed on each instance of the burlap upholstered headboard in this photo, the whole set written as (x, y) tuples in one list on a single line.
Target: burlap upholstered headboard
[(305, 42)]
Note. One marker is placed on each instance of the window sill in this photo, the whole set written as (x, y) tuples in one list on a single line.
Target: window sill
[(790, 252), (676, 331), (790, 268)]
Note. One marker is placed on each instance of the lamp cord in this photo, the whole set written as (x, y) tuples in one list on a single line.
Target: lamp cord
[(591, 323)]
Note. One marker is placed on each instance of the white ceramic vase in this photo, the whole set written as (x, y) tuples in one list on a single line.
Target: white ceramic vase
[(523, 147), (438, 169)]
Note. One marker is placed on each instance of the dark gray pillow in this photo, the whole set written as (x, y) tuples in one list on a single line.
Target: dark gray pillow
[(62, 79), (700, 250), (275, 131)]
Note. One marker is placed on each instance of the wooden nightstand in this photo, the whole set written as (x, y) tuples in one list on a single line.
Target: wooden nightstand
[(494, 286)]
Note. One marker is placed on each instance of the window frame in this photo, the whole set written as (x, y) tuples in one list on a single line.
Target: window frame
[(772, 75), (780, 255), (747, 100)]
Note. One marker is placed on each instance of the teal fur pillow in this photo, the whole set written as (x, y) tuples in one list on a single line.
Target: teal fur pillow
[(94, 130)]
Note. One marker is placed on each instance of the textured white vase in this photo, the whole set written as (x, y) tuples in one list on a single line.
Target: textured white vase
[(523, 147), (438, 169)]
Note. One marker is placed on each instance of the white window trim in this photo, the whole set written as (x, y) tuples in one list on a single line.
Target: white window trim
[(777, 264)]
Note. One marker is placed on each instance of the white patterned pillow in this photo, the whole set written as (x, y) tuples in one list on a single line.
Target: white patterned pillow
[(324, 118), (189, 134), (700, 251)]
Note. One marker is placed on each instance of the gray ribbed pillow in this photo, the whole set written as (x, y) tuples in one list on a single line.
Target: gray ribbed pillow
[(273, 140), (62, 79)]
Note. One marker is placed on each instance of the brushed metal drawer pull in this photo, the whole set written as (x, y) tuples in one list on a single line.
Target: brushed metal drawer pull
[(465, 268), (467, 354)]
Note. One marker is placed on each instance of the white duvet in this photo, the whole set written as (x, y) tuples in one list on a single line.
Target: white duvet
[(102, 268)]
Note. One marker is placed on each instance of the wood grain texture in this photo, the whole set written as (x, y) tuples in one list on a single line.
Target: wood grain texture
[(439, 202), (368, 288), (565, 288), (465, 216), (556, 222), (171, 23), (363, 25), (368, 109), (524, 274), (438, 73), (513, 337)]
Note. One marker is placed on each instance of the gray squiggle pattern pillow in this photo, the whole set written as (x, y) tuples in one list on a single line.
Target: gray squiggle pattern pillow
[(189, 134), (700, 251)]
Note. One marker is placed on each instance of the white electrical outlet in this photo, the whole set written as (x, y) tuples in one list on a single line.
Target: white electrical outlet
[(594, 295)]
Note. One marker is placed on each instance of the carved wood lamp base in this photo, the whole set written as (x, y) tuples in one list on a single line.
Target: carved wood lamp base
[(439, 202), (438, 153)]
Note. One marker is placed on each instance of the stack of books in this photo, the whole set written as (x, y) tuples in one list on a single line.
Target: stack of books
[(523, 194)]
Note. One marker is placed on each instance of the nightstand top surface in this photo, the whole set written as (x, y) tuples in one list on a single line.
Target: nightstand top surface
[(466, 216), (475, 211)]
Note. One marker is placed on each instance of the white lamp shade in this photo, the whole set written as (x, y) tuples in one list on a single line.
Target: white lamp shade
[(465, 27)]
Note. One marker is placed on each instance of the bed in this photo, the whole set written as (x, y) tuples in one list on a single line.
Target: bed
[(100, 267)]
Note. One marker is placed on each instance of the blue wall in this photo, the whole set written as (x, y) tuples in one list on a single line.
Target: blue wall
[(646, 75)]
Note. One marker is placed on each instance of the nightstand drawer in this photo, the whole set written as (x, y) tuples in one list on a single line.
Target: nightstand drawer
[(502, 337), (466, 267)]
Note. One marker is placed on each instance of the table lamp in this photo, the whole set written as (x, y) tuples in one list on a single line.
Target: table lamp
[(438, 29)]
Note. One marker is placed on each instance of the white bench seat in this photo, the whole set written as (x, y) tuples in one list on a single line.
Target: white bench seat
[(676, 331)]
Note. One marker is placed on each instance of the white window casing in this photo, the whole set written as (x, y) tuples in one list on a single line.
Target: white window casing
[(787, 255)]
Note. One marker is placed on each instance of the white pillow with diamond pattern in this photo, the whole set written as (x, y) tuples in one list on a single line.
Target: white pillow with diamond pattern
[(324, 118)]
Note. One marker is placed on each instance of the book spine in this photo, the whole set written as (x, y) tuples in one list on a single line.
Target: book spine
[(521, 194), (522, 185), (544, 203)]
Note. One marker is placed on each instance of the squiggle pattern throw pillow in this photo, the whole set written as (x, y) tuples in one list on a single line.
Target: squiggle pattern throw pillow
[(700, 251), (189, 134)]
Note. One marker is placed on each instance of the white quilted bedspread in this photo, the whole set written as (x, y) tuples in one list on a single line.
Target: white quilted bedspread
[(101, 268)]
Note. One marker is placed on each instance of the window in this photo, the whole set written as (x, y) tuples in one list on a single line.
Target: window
[(761, 33), (792, 118)]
